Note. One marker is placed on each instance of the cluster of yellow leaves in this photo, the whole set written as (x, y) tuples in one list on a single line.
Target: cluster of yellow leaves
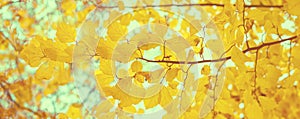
[(105, 78), (240, 79)]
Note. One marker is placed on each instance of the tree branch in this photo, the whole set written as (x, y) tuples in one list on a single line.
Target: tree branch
[(188, 5), (220, 59)]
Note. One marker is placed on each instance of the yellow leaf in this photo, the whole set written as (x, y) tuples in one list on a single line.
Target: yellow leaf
[(68, 6), (148, 46), (257, 17), (268, 26), (271, 75), (63, 76), (61, 116), (141, 16), (171, 74), (65, 32), (117, 93), (126, 19), (151, 101), (296, 56), (194, 40), (116, 30), (140, 78), (69, 50), (156, 76), (242, 80), (82, 14), (51, 88), (140, 111), (173, 84), (240, 5), (205, 70), (105, 48), (267, 103), (127, 100), (136, 66), (130, 109), (104, 107), (22, 91), (173, 23), (292, 7), (57, 54), (122, 73), (165, 97), (108, 115), (121, 5), (215, 46), (186, 100), (253, 111), (106, 66), (193, 114), (239, 37), (104, 79), (123, 116), (239, 58), (45, 71), (32, 53), (41, 47), (122, 55), (224, 106)]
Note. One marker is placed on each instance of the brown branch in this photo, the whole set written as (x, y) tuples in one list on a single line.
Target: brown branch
[(189, 5), (264, 6), (221, 59)]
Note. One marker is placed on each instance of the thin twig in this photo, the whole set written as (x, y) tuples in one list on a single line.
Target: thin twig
[(189, 5)]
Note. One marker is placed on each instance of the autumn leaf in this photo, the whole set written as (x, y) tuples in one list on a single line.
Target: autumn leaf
[(32, 53), (239, 58), (45, 71), (69, 6), (151, 101), (136, 66), (291, 7), (205, 70), (22, 91), (254, 111), (164, 97), (74, 111), (116, 31), (65, 32), (171, 74)]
